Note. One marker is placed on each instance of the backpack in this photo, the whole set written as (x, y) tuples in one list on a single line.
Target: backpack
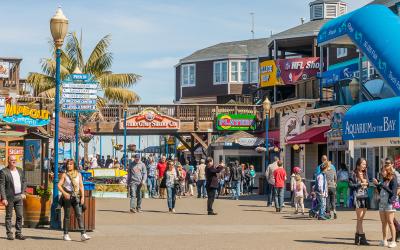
[(236, 175)]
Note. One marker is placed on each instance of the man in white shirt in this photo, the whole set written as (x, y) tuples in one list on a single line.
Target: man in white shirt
[(269, 175), (12, 191)]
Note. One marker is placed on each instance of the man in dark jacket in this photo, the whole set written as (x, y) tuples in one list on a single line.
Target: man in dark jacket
[(212, 184), (12, 190)]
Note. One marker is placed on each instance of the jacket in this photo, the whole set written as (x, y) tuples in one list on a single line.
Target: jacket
[(236, 173), (269, 173), (137, 173), (7, 184), (391, 189), (322, 185), (201, 171), (211, 176)]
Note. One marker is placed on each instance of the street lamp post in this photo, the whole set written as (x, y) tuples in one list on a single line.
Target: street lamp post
[(267, 106), (58, 28), (125, 158)]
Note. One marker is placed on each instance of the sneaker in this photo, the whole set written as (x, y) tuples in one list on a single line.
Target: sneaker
[(392, 244), (10, 237), (173, 210), (335, 216), (132, 210), (20, 237), (383, 243), (296, 212), (212, 213), (66, 237), (139, 210), (85, 237)]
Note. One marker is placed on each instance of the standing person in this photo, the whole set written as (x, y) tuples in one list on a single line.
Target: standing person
[(235, 179), (201, 179), (151, 177), (295, 171), (221, 180), (162, 167), (108, 161), (227, 184), (342, 185), (71, 187), (300, 191), (331, 178), (137, 175), (171, 182), (358, 182), (182, 180), (324, 159), (322, 191), (102, 162), (269, 174), (280, 178), (387, 189), (12, 192), (212, 183), (252, 178), (187, 168), (191, 180)]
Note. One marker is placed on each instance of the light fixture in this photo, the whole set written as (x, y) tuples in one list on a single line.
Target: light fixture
[(267, 105), (296, 147), (310, 122), (354, 87), (58, 27)]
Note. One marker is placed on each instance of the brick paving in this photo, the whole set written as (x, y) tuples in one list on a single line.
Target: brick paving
[(243, 224)]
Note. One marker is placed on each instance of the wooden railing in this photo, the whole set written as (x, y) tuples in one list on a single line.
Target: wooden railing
[(185, 112)]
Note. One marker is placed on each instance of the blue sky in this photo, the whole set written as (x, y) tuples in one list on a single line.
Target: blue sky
[(148, 36)]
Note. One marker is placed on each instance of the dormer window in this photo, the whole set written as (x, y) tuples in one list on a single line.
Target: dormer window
[(327, 9)]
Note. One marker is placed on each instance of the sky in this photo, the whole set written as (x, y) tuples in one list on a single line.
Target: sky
[(148, 36)]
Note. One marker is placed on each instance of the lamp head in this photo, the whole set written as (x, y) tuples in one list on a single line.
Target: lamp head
[(58, 28), (354, 87), (267, 105)]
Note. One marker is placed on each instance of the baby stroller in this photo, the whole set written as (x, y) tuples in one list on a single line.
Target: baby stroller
[(313, 212)]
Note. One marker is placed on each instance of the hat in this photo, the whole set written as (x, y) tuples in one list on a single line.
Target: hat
[(296, 170), (137, 156)]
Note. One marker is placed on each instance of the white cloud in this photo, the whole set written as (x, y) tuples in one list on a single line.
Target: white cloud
[(161, 63)]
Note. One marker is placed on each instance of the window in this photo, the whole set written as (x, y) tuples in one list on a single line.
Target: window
[(317, 11), (254, 71), (220, 72), (188, 75), (330, 11), (341, 52), (239, 71)]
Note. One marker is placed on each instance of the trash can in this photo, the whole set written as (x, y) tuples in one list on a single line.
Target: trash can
[(89, 216)]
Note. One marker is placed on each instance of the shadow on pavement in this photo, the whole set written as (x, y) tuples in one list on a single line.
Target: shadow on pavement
[(296, 218), (244, 205), (254, 210), (322, 242), (114, 211), (350, 239), (166, 212)]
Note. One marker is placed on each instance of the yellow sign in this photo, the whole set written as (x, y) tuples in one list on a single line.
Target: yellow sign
[(12, 110), (269, 74)]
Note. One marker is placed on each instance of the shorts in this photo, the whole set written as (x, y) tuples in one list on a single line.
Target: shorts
[(386, 207), (361, 203)]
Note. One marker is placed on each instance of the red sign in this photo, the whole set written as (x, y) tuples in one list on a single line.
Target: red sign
[(150, 119), (397, 161), (297, 69)]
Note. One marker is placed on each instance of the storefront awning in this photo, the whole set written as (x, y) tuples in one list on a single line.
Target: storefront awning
[(373, 119), (313, 135), (273, 137)]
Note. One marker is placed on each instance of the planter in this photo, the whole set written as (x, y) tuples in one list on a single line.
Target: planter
[(36, 211), (118, 147)]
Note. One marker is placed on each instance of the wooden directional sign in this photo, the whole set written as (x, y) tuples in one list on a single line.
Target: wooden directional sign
[(79, 93)]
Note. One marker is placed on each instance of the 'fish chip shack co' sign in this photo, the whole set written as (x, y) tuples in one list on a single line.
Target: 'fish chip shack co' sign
[(25, 116), (151, 119)]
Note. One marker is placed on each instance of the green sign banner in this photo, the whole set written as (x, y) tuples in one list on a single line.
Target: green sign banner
[(236, 122)]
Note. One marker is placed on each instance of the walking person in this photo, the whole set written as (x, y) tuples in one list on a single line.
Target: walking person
[(252, 179), (235, 179), (331, 178), (212, 183), (387, 189), (191, 180), (12, 192), (152, 177), (162, 167), (269, 174), (342, 188), (322, 191), (201, 179), (71, 187), (280, 179), (137, 175), (358, 182), (300, 192), (182, 180), (171, 184), (295, 171), (221, 180)]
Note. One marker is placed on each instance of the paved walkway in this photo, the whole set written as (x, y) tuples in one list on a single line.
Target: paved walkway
[(244, 224)]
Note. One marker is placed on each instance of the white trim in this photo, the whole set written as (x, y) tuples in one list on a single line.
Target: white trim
[(239, 71), (257, 71), (221, 73), (182, 71)]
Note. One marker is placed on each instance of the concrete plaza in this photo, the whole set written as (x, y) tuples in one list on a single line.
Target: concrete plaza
[(243, 224)]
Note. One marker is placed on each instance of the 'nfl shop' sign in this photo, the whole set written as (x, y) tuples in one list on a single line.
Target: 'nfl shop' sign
[(236, 122), (150, 119)]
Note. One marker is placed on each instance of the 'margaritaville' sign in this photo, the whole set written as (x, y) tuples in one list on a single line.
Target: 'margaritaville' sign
[(374, 128), (25, 116)]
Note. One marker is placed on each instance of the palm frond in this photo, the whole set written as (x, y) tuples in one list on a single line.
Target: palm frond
[(74, 50), (121, 95), (122, 80), (100, 54), (40, 82), (49, 67), (50, 93), (101, 65)]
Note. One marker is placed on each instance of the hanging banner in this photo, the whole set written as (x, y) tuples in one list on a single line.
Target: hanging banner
[(4, 70), (269, 74), (297, 69), (150, 119), (25, 116), (236, 122)]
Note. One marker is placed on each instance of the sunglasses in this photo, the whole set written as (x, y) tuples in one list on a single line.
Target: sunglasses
[(388, 163)]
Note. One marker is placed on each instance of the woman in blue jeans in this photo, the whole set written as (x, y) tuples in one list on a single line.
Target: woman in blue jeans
[(171, 180)]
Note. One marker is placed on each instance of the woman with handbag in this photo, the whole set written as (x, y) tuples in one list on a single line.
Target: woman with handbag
[(358, 182), (388, 202), (171, 183), (71, 187)]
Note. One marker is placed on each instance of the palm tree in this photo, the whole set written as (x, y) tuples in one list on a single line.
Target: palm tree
[(115, 86)]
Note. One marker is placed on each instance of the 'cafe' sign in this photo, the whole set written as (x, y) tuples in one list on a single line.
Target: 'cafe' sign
[(25, 116), (150, 119)]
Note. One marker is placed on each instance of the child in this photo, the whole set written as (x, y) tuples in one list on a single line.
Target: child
[(322, 191), (252, 178), (300, 191)]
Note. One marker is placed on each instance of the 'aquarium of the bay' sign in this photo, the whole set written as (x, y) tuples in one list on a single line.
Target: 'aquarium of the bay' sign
[(236, 122), (25, 116)]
